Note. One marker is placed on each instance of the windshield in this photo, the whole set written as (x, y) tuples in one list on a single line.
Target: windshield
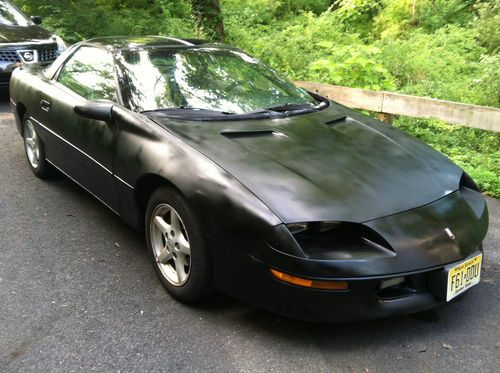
[(204, 78), (11, 16)]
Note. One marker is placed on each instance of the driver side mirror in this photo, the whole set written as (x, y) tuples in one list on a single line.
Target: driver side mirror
[(36, 20), (96, 110)]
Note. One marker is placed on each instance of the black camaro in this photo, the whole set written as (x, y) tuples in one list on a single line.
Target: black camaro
[(250, 185)]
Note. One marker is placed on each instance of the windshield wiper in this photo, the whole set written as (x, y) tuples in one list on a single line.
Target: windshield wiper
[(284, 109), (181, 109), (289, 107)]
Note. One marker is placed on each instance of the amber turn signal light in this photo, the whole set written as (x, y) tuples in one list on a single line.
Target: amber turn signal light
[(308, 283)]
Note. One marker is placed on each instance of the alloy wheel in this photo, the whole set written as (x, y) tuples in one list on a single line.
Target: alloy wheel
[(32, 144), (170, 244)]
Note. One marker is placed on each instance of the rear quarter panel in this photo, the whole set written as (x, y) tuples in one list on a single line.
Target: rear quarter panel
[(26, 86)]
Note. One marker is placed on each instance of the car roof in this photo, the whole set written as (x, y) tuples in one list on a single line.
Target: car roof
[(118, 43)]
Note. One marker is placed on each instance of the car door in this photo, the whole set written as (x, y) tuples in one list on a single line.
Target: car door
[(85, 147)]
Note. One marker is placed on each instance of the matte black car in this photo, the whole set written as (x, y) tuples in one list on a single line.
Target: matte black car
[(250, 185), (23, 41)]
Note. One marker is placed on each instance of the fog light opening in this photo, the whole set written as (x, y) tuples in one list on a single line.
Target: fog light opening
[(308, 283), (384, 284)]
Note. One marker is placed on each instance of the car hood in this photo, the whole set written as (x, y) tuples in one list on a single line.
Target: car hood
[(22, 34), (330, 165)]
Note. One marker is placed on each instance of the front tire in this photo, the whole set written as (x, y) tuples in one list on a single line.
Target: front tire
[(34, 149), (176, 247)]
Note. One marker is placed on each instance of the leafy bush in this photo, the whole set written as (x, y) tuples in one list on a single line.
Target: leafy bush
[(446, 64), (401, 16), (489, 24), (289, 45), (356, 15), (476, 151), (354, 66), (89, 18), (287, 8)]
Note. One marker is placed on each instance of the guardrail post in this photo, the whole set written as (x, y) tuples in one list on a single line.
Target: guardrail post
[(385, 117)]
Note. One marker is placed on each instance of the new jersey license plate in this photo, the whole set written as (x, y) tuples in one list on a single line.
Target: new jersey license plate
[(463, 276)]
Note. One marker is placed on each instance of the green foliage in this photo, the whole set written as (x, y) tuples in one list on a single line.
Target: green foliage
[(289, 45), (292, 7), (83, 19), (447, 64), (247, 13), (208, 19), (476, 151), (489, 24), (400, 16), (262, 12), (316, 48), (356, 67), (356, 15), (490, 77)]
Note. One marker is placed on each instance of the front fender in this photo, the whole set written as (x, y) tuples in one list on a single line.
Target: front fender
[(228, 212)]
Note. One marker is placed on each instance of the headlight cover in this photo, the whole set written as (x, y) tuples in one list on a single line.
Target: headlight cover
[(333, 240), (467, 182), (313, 227), (61, 45)]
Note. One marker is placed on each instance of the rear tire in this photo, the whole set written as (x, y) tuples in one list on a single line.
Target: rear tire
[(34, 149), (176, 247)]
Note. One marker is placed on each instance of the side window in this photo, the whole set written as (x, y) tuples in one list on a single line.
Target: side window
[(89, 73)]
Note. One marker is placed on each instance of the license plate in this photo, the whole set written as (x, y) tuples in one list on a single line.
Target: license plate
[(463, 276)]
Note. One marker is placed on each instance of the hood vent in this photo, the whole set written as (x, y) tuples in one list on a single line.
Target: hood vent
[(248, 133), (339, 119)]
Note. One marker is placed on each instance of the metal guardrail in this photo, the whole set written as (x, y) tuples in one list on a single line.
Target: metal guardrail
[(388, 104)]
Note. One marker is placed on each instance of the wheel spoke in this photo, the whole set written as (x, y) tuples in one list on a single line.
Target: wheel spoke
[(162, 225), (165, 256), (175, 223), (30, 142), (184, 247), (179, 267), (29, 127)]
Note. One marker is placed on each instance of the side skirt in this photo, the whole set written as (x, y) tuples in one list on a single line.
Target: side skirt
[(100, 200)]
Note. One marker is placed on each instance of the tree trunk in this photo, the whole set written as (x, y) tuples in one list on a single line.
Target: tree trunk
[(414, 20), (208, 19)]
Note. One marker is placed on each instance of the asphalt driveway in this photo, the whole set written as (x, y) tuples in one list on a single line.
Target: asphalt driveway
[(79, 294)]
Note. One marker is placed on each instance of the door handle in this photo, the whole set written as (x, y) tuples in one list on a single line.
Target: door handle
[(45, 105)]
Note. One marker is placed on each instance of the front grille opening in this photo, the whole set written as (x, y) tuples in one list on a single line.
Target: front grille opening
[(408, 286), (47, 54), (9, 56)]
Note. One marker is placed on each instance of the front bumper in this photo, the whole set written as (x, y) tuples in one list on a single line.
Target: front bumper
[(6, 72), (420, 250), (11, 56), (250, 280)]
